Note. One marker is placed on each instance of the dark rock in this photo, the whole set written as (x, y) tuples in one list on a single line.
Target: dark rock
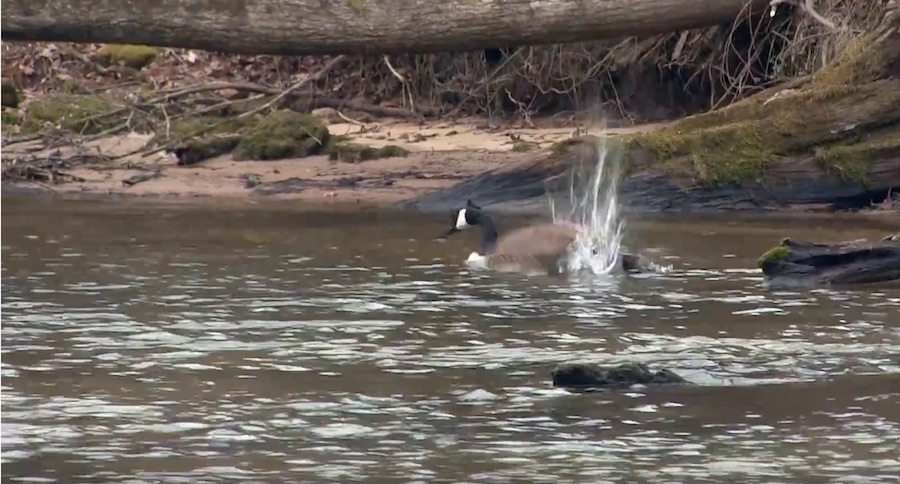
[(200, 149), (578, 375), (854, 262), (251, 180), (633, 264)]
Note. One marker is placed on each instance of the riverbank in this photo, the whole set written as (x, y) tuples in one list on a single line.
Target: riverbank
[(438, 156)]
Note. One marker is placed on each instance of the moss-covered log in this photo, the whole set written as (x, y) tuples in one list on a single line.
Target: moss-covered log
[(832, 141), (845, 263)]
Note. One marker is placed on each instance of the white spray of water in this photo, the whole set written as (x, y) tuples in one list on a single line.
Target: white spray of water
[(593, 198)]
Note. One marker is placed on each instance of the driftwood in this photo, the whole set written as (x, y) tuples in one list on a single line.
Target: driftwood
[(46, 169), (577, 375), (854, 262), (141, 177)]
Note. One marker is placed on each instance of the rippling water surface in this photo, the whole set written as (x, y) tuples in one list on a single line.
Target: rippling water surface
[(168, 344)]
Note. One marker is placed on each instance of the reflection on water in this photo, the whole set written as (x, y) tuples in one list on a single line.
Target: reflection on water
[(174, 344)]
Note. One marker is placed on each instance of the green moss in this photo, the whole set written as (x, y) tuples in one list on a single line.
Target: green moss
[(188, 128), (853, 162), (854, 65), (10, 118), (358, 6), (355, 153), (282, 134), (72, 112), (736, 152), (10, 95), (134, 56), (774, 254), (524, 146)]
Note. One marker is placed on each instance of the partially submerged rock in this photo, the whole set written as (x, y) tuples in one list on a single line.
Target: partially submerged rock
[(854, 262), (579, 375), (634, 263), (134, 56)]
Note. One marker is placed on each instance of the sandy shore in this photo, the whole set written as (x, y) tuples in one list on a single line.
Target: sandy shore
[(440, 155)]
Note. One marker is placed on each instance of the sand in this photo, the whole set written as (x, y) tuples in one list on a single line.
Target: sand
[(441, 154)]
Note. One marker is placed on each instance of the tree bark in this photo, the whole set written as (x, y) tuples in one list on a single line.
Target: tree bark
[(295, 27)]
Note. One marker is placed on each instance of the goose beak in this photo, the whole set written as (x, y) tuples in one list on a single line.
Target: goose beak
[(450, 232)]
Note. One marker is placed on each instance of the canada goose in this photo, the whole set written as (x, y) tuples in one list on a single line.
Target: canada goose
[(540, 248)]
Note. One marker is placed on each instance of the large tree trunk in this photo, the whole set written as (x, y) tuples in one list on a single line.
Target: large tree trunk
[(353, 26)]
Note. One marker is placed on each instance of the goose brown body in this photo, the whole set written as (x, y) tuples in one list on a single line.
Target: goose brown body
[(542, 248), (538, 248)]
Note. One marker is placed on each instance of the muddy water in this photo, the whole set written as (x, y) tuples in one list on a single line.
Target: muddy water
[(165, 344)]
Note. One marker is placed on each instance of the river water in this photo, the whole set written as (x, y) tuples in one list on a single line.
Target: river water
[(155, 343)]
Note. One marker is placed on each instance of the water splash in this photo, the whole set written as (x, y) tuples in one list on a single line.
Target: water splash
[(593, 204)]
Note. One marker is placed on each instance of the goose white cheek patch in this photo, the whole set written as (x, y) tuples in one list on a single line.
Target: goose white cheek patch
[(461, 220)]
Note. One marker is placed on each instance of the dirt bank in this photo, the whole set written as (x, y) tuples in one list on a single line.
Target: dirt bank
[(440, 155)]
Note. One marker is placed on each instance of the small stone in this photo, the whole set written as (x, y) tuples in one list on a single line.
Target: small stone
[(232, 94), (329, 115)]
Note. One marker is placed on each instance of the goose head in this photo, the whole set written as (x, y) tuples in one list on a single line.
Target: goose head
[(466, 217), (470, 216)]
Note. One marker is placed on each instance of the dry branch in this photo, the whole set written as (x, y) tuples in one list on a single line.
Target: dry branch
[(313, 78)]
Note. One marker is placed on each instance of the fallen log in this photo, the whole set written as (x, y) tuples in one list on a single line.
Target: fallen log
[(854, 262), (298, 27), (794, 182), (584, 376)]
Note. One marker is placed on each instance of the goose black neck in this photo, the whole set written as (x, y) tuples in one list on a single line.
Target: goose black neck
[(488, 235)]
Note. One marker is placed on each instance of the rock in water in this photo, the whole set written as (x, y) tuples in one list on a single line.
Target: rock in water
[(578, 375), (633, 264), (854, 262)]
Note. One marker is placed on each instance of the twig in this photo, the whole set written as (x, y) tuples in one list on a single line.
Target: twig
[(315, 77), (351, 120), (216, 86), (390, 67), (23, 139), (217, 107), (406, 91), (327, 102), (806, 6), (168, 124)]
